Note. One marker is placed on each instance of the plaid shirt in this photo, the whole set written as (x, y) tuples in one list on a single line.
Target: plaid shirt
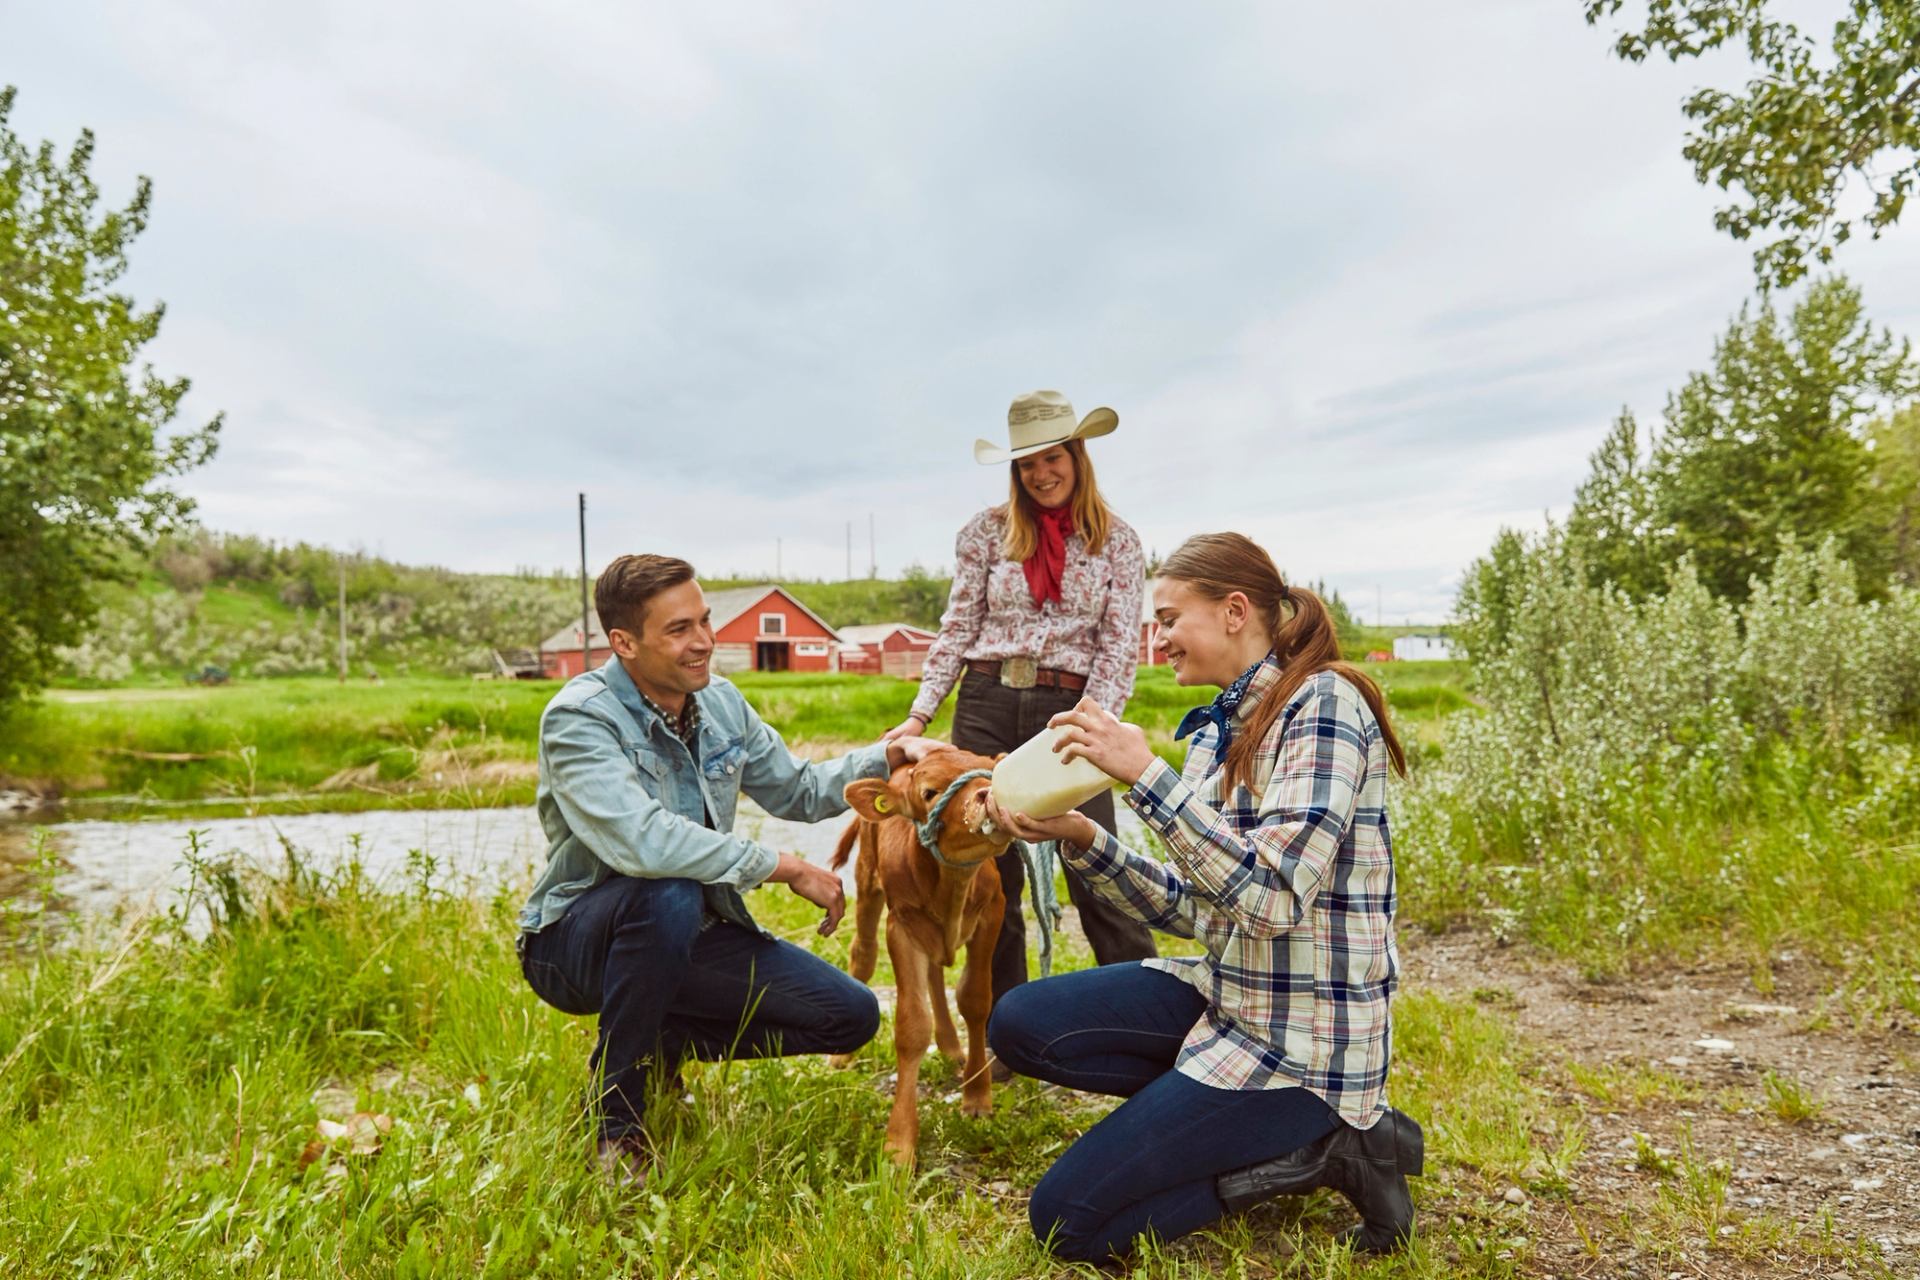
[(685, 726), (1292, 896)]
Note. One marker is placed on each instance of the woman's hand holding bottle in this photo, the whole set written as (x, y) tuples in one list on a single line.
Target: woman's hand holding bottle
[(1092, 733)]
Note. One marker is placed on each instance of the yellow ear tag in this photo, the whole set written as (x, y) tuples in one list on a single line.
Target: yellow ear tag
[(882, 805)]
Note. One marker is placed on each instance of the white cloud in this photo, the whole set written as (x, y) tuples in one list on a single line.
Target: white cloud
[(1365, 281)]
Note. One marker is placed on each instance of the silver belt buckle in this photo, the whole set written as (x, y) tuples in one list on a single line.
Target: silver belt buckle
[(1018, 673)]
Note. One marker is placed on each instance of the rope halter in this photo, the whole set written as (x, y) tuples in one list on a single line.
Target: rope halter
[(1039, 858), (929, 831)]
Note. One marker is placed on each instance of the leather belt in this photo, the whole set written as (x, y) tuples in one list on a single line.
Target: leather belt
[(1020, 673)]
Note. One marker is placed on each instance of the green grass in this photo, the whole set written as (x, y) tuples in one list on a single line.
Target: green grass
[(274, 736), (1614, 1085), (1803, 852), (238, 604), (284, 738), (160, 1095), (1789, 1100)]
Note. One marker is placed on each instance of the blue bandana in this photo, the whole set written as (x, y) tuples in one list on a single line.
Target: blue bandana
[(1220, 711)]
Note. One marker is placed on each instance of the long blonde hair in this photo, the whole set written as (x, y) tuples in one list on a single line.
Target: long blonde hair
[(1300, 629), (1092, 518)]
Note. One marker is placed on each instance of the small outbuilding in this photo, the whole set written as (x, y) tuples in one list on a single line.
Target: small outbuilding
[(1422, 648), (761, 628), (518, 664), (885, 648)]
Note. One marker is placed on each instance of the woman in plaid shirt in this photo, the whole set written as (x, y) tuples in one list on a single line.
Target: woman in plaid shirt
[(1259, 1069)]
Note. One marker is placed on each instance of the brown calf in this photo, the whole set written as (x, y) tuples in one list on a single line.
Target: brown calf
[(936, 900)]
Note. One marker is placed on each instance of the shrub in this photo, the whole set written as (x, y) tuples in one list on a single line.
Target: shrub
[(1642, 766)]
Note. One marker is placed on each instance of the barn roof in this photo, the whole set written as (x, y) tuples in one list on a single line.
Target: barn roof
[(568, 637), (514, 662), (730, 604), (875, 632), (725, 606)]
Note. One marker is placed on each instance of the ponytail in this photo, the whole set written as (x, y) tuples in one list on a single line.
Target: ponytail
[(1304, 639)]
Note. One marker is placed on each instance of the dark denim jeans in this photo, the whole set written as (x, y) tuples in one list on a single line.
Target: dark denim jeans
[(988, 717), (1151, 1163), (634, 952)]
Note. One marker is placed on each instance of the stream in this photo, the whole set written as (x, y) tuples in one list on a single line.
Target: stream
[(106, 865)]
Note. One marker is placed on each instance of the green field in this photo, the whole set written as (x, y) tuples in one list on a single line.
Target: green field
[(310, 742)]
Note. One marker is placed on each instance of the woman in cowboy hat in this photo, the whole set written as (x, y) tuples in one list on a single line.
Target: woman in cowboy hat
[(1045, 608)]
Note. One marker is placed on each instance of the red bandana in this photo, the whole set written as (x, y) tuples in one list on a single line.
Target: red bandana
[(1049, 559)]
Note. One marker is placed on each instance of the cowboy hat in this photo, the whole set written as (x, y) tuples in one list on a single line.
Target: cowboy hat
[(1040, 420)]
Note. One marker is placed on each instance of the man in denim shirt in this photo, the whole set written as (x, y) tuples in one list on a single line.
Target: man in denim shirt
[(638, 915)]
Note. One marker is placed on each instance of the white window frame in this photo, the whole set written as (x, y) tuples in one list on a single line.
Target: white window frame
[(810, 648), (779, 627)]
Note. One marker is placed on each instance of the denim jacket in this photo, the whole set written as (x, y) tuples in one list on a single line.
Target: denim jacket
[(621, 795)]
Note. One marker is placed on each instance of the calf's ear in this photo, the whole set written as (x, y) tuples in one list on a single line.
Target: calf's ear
[(872, 799)]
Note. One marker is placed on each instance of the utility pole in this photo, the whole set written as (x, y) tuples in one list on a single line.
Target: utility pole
[(586, 623), (849, 551), (873, 561), (342, 560), (779, 574), (1379, 612)]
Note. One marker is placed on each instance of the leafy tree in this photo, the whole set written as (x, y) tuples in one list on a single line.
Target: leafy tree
[(1768, 444), (1337, 608), (1895, 485), (1612, 521), (83, 457), (1809, 124), (923, 596), (1488, 606)]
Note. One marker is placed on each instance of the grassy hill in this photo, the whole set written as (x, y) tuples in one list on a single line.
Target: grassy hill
[(261, 609)]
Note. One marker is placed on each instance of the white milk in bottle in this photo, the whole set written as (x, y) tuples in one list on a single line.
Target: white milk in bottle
[(1041, 784)]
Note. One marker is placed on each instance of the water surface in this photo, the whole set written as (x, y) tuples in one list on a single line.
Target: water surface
[(109, 864)]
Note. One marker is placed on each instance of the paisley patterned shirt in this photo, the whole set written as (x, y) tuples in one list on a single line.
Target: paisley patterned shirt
[(1092, 630)]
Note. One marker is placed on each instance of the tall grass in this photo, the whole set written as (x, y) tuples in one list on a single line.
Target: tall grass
[(160, 1099)]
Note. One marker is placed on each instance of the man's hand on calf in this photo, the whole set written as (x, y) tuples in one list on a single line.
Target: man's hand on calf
[(911, 749)]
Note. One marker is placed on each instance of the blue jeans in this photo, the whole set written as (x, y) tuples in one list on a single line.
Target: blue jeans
[(634, 951), (1151, 1163)]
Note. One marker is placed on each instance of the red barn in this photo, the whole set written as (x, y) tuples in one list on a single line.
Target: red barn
[(885, 648), (1150, 656), (755, 629)]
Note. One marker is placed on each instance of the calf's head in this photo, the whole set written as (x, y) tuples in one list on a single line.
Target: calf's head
[(915, 789)]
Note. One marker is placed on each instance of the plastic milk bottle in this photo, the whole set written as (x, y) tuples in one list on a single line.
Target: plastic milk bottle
[(1037, 782)]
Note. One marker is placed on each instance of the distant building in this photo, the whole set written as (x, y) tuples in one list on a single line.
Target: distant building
[(885, 648), (1422, 648), (519, 664), (1149, 629), (755, 629)]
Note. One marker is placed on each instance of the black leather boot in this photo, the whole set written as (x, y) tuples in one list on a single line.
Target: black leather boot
[(1370, 1167)]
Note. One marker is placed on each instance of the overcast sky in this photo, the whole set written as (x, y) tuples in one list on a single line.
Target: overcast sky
[(1363, 281)]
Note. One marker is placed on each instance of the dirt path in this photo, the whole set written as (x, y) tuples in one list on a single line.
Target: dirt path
[(1710, 1071)]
